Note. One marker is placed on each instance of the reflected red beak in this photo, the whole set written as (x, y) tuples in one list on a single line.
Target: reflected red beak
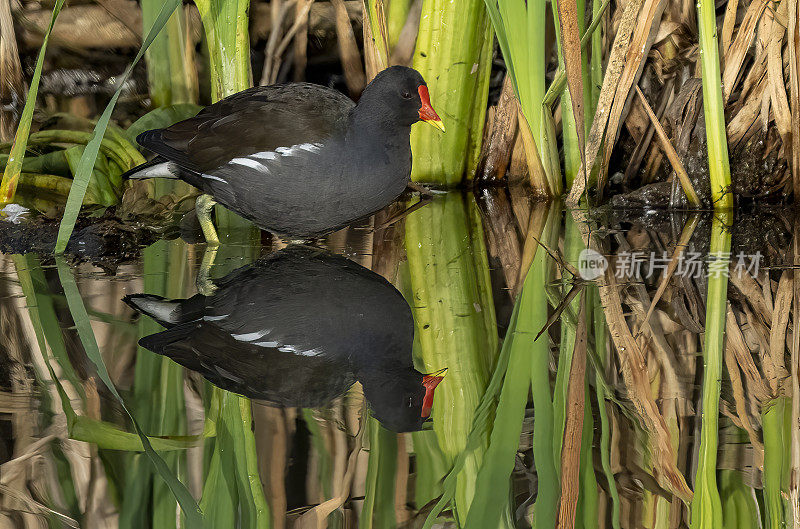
[(426, 112), (430, 382)]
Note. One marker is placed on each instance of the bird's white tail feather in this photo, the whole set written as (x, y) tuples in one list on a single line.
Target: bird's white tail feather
[(161, 170), (162, 310)]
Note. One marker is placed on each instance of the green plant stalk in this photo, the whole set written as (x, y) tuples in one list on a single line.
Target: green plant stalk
[(86, 164), (194, 516), (520, 27), (13, 168), (714, 107), (706, 508), (432, 466), (396, 16), (493, 490), (588, 501), (454, 318), (572, 154), (157, 392), (775, 421), (596, 61), (225, 25), (475, 142), (378, 510), (573, 244), (450, 56), (600, 340), (171, 72), (545, 508), (237, 420), (739, 508)]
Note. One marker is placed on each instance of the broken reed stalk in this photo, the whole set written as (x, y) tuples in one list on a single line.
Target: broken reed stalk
[(714, 107), (706, 507), (672, 155)]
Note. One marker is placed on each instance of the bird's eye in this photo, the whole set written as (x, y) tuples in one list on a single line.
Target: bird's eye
[(406, 94)]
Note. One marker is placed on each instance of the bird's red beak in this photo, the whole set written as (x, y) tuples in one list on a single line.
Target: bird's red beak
[(426, 112), (430, 382)]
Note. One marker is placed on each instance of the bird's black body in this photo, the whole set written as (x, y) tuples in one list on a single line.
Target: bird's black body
[(297, 159), (297, 328)]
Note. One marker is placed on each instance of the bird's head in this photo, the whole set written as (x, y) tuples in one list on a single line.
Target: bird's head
[(402, 402), (404, 93)]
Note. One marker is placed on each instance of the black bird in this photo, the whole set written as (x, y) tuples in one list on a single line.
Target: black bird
[(298, 328), (297, 159)]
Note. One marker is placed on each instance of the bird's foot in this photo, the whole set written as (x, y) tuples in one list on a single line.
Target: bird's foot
[(205, 285)]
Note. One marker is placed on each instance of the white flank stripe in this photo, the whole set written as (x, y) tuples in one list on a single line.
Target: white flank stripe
[(266, 344), (215, 318), (249, 162), (293, 349), (212, 177), (266, 155)]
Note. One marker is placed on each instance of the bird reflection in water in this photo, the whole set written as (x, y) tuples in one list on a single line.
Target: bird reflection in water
[(297, 328)]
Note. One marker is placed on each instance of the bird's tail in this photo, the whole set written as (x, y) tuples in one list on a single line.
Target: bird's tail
[(158, 167), (166, 312)]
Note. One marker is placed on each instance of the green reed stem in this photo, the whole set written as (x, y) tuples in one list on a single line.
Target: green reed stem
[(706, 507), (775, 421), (8, 185), (714, 107), (452, 54), (225, 23), (171, 71), (454, 317)]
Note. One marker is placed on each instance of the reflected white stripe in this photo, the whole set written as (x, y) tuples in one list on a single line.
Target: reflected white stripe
[(250, 336)]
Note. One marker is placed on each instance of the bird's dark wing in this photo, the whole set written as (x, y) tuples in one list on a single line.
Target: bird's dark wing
[(262, 119), (256, 371)]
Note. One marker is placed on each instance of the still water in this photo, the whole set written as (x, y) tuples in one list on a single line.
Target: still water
[(341, 345)]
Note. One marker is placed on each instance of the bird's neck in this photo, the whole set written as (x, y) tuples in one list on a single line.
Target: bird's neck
[(369, 127)]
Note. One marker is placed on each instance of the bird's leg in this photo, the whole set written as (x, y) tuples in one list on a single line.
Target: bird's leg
[(419, 188), (203, 207), (205, 285), (423, 201)]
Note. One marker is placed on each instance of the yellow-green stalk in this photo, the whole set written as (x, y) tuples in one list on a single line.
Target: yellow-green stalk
[(453, 55), (396, 16), (526, 357), (706, 508), (520, 27), (719, 170), (8, 185), (455, 323), (171, 72), (776, 420), (225, 24)]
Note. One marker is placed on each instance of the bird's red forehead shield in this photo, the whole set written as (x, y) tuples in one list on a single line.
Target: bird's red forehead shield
[(430, 382), (426, 111)]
